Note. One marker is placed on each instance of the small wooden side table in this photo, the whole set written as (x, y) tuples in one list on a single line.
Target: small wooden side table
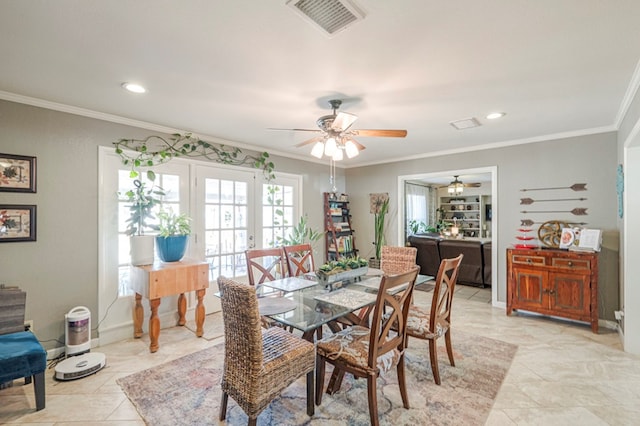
[(166, 279)]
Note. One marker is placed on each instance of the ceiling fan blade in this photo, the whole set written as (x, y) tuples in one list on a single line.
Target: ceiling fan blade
[(381, 133), (358, 145), (310, 141), (343, 121), (295, 130), (472, 185)]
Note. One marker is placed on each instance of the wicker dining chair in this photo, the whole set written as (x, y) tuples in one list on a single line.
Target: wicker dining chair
[(258, 364), (435, 323), (369, 352), (395, 260), (265, 265), (299, 259)]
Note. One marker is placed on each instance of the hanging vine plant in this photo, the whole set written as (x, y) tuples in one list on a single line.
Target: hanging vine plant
[(154, 150)]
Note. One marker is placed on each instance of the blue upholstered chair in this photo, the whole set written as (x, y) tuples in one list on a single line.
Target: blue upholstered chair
[(21, 355)]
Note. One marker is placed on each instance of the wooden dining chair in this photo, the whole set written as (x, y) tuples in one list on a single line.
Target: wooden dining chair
[(265, 265), (369, 352), (299, 259), (394, 260), (435, 323), (258, 365)]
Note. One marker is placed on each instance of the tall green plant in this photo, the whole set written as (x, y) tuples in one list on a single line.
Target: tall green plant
[(379, 240), (300, 234)]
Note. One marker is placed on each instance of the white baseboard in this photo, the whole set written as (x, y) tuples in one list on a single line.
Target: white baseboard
[(124, 331), (611, 325)]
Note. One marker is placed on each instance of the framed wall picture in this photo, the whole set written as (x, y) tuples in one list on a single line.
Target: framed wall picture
[(17, 173), (17, 223)]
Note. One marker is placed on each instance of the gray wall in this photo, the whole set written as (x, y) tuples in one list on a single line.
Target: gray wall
[(556, 163), (60, 269)]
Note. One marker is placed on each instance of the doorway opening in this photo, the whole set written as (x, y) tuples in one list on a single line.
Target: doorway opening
[(475, 219)]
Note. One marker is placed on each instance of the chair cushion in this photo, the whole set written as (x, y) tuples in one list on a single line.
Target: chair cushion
[(418, 324), (21, 355), (351, 346)]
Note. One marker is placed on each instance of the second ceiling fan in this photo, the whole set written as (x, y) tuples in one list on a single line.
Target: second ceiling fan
[(337, 135)]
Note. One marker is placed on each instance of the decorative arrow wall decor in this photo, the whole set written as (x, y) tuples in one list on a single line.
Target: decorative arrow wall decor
[(574, 187), (578, 211), (529, 222), (528, 201)]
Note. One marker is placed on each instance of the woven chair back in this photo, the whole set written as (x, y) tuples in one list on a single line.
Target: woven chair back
[(395, 260), (242, 333)]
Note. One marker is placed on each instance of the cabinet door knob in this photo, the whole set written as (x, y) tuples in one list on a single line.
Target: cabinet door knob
[(570, 263), (529, 261)]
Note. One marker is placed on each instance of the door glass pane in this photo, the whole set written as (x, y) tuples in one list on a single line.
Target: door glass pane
[(226, 226), (277, 213)]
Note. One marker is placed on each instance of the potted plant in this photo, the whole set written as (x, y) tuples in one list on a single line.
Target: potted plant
[(300, 234), (143, 201), (379, 206), (342, 269), (172, 240)]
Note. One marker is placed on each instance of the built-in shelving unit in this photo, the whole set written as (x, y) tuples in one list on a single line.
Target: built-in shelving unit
[(469, 212), (339, 238)]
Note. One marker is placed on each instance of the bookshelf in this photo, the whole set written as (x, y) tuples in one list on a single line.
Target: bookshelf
[(339, 238)]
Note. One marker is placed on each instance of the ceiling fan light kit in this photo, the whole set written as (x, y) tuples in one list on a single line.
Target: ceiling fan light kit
[(455, 187)]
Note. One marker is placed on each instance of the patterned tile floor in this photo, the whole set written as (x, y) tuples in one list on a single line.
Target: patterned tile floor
[(562, 373)]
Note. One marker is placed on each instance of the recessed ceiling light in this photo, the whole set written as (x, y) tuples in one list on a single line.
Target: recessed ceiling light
[(495, 115), (135, 88)]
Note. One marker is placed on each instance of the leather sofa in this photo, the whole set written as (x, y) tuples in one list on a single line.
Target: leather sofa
[(475, 268)]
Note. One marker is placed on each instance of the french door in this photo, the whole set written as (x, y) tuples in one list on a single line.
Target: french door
[(225, 216)]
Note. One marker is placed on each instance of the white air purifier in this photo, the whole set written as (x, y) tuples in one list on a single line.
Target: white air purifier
[(79, 362)]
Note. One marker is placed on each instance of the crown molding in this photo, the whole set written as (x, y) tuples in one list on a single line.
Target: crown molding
[(629, 95)]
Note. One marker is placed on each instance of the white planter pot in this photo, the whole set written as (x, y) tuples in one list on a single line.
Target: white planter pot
[(142, 249)]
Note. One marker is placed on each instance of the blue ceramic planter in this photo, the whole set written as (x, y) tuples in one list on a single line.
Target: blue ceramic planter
[(171, 249)]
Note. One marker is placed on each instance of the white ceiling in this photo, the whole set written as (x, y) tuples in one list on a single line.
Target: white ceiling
[(231, 69)]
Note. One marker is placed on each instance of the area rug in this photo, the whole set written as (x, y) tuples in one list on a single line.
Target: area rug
[(186, 391)]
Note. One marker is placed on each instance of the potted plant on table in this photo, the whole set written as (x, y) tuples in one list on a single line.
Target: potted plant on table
[(342, 269), (143, 201), (172, 240)]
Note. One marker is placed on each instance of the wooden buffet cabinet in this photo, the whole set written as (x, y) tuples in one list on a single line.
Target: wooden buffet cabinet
[(553, 282)]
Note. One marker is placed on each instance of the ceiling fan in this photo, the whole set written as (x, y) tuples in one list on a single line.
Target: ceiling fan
[(457, 186), (337, 136)]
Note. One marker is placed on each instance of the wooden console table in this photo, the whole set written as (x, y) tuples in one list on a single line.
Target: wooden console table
[(554, 282), (167, 279)]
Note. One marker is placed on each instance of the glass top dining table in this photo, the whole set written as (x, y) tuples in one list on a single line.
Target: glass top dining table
[(305, 304)]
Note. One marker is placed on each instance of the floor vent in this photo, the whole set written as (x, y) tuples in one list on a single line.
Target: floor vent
[(465, 123), (331, 16)]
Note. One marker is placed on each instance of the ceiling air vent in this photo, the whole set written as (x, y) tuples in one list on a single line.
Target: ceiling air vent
[(332, 16), (465, 123)]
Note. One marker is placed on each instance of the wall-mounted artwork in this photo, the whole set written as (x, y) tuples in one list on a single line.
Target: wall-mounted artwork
[(17, 173), (17, 223)]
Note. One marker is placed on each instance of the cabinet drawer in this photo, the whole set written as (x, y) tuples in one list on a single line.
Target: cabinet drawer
[(527, 259), (578, 264)]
